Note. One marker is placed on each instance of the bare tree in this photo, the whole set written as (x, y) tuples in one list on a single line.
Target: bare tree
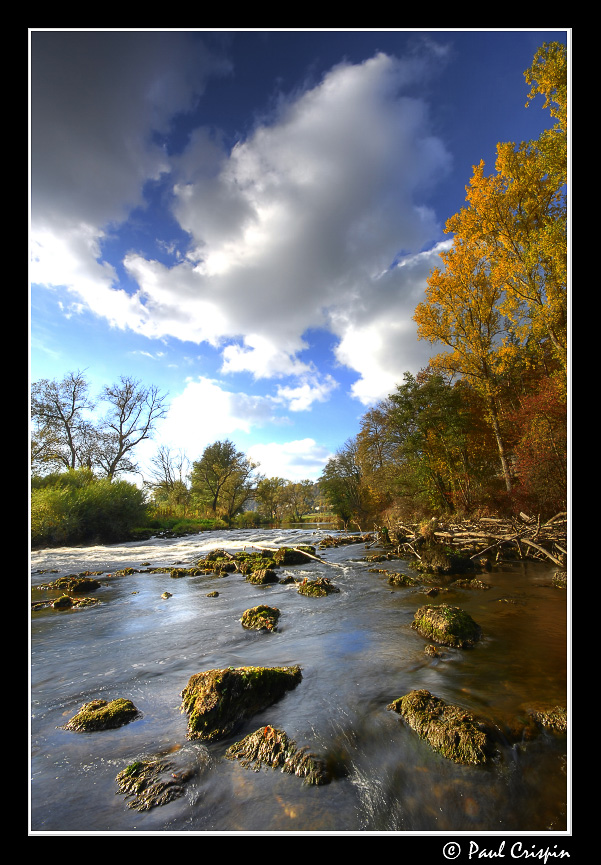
[(168, 477), (131, 418), (61, 436)]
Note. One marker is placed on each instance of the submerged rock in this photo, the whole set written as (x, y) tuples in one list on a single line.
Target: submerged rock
[(449, 730), (102, 715), (555, 718), (447, 625), (217, 701), (261, 618), (317, 588), (273, 748), (154, 781)]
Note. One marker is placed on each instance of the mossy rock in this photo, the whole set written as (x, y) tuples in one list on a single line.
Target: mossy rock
[(154, 781), (449, 626), (259, 578), (261, 618), (449, 730), (436, 559), (65, 602), (469, 584), (271, 747), (317, 588), (294, 556), (102, 715), (217, 701), (402, 580), (554, 718), (73, 583), (248, 563)]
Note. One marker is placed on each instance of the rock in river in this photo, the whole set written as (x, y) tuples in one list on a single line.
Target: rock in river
[(448, 729), (261, 618), (217, 701), (102, 715), (447, 625), (273, 748)]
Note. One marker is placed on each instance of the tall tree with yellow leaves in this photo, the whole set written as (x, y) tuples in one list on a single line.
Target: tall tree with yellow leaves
[(504, 284)]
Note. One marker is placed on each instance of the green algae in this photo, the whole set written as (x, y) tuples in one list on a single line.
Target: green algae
[(447, 625), (102, 715), (449, 730), (217, 701)]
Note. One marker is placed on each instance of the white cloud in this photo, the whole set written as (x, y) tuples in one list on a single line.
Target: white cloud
[(291, 230), (295, 460), (205, 412), (302, 397)]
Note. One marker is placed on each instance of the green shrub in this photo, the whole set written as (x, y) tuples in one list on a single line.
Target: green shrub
[(76, 507)]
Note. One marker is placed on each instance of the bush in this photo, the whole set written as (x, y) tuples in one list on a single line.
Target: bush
[(76, 507)]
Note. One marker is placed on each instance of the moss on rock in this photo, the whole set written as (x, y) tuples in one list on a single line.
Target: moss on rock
[(217, 701), (272, 747), (447, 625), (102, 715), (449, 730), (294, 556), (261, 577), (317, 588), (261, 618)]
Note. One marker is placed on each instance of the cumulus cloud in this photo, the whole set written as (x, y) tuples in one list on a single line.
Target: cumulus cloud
[(298, 460), (296, 227)]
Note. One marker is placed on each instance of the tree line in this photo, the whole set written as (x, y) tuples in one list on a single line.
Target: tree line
[(483, 427)]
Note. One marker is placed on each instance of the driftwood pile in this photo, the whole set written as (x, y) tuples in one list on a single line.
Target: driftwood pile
[(522, 537)]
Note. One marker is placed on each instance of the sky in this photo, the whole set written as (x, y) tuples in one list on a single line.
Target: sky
[(246, 219)]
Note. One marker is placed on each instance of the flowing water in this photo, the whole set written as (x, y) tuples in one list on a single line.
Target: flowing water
[(357, 652)]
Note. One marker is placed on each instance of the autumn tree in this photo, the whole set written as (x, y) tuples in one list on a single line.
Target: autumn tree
[(462, 312), (502, 292)]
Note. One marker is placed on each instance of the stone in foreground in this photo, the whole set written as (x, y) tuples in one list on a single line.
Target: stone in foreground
[(217, 701), (102, 715), (448, 729), (449, 626), (273, 748)]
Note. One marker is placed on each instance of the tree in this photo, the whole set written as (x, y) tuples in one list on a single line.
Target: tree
[(222, 479), (343, 484), (462, 312), (271, 497), (133, 412), (503, 290), (61, 435), (168, 479)]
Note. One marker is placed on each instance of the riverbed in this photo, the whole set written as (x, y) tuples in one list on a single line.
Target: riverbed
[(357, 652)]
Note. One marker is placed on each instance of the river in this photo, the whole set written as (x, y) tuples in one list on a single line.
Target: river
[(357, 652)]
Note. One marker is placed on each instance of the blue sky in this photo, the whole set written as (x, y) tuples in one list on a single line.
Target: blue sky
[(247, 219)]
